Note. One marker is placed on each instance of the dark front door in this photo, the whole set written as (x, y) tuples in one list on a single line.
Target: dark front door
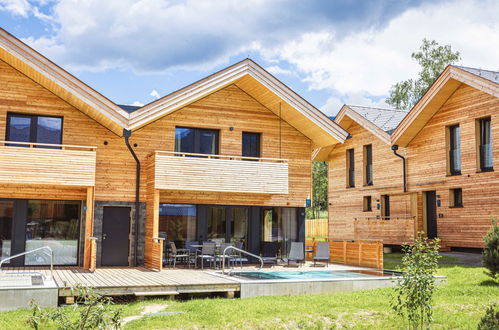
[(115, 236), (431, 214)]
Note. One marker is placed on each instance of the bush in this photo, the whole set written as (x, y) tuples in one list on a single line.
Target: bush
[(91, 311), (490, 255), (414, 291), (490, 321)]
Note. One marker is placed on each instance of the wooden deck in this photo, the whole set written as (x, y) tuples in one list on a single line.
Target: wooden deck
[(137, 281)]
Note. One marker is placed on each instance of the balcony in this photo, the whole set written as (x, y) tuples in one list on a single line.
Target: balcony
[(47, 164), (221, 173)]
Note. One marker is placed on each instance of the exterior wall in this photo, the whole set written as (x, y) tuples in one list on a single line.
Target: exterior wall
[(346, 204), (115, 174), (427, 168)]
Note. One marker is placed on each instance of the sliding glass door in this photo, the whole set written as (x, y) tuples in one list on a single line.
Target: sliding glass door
[(279, 225)]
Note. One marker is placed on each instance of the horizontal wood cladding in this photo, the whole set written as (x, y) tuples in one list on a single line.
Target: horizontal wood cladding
[(40, 166), (346, 204), (223, 175), (115, 166), (427, 168)]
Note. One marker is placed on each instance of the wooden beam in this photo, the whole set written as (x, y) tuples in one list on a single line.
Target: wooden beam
[(89, 228)]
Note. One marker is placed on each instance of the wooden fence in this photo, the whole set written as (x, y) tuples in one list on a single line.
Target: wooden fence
[(354, 253), (316, 228)]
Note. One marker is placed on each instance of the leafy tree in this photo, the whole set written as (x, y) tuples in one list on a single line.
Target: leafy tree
[(490, 255), (433, 58), (319, 189), (414, 291)]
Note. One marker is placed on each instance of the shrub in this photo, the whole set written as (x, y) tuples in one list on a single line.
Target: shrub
[(91, 311), (490, 255), (490, 321), (414, 291)]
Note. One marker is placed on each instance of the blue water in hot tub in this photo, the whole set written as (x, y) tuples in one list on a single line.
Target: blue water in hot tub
[(313, 274)]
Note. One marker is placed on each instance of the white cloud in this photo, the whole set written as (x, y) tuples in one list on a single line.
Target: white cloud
[(16, 7), (154, 93), (138, 103), (277, 70)]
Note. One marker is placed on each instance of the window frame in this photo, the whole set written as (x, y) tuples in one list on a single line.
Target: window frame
[(454, 200), (479, 144), (385, 207), (33, 127), (259, 144), (196, 143), (367, 204), (368, 161), (350, 168), (450, 141)]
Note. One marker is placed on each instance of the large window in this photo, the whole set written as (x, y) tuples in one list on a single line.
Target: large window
[(454, 150), (177, 223), (55, 224), (6, 218), (239, 226), (368, 165), (32, 128), (216, 223), (280, 225), (350, 168), (251, 144), (196, 140), (484, 137)]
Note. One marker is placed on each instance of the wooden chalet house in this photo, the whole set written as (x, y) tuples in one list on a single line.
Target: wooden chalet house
[(449, 143), (227, 158)]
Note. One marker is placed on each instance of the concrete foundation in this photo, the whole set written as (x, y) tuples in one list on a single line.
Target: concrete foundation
[(15, 297)]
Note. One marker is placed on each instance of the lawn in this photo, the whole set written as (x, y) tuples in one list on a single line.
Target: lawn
[(458, 305)]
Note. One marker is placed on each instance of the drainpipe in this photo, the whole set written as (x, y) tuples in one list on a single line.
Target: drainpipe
[(395, 148), (126, 135)]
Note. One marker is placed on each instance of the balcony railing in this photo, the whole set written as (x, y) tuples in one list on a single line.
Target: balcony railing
[(201, 172), (47, 164)]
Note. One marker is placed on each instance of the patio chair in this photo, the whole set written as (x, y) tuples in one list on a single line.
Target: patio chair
[(208, 253), (296, 252), (182, 254), (322, 253), (269, 252)]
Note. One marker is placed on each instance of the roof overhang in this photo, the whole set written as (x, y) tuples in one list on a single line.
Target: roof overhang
[(446, 84), (260, 85), (46, 73)]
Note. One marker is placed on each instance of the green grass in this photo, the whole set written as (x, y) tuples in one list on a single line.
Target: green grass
[(458, 305)]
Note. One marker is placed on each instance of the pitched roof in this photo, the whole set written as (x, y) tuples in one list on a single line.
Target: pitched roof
[(446, 84), (386, 119), (129, 108)]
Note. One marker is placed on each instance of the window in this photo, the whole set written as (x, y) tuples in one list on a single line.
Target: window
[(368, 165), (33, 128), (367, 204), (385, 207), (454, 150), (456, 197), (350, 168), (484, 137), (251, 145), (177, 222), (196, 140)]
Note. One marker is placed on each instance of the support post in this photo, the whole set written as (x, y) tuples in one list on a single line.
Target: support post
[(88, 263), (153, 253)]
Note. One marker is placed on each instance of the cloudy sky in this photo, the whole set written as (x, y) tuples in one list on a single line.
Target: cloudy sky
[(330, 52)]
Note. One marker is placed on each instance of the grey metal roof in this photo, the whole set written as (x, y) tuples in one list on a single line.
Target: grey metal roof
[(486, 74), (386, 119), (129, 108)]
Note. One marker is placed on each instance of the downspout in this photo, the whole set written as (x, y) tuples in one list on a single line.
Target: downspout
[(395, 147), (126, 135)]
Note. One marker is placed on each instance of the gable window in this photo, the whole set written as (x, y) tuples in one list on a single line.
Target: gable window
[(368, 165), (385, 207), (33, 128), (350, 168), (456, 197), (484, 137), (196, 140), (251, 145), (454, 150), (367, 204)]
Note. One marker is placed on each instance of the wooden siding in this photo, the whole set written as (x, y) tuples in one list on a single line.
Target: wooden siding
[(39, 166), (115, 167), (316, 228), (218, 173), (427, 168)]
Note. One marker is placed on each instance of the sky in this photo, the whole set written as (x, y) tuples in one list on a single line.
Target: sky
[(329, 52)]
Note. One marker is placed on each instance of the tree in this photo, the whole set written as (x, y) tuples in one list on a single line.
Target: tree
[(319, 188), (490, 255), (433, 58)]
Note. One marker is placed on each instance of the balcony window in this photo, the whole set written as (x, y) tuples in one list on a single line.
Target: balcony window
[(251, 145), (368, 165), (454, 150), (33, 128), (196, 140), (456, 197), (484, 136), (350, 168)]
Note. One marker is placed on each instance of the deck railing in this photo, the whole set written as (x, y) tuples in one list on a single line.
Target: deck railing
[(47, 164), (224, 173)]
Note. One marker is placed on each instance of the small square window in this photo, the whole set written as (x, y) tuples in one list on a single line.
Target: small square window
[(367, 204), (456, 197)]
